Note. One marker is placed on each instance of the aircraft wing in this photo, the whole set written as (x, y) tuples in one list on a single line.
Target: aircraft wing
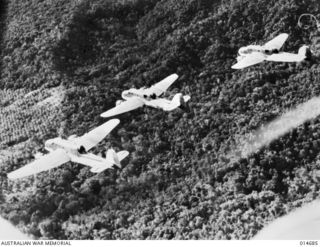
[(285, 57), (46, 162), (162, 86), (96, 135), (123, 107), (249, 60), (277, 42)]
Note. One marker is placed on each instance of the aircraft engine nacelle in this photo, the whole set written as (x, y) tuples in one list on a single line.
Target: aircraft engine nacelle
[(118, 102)]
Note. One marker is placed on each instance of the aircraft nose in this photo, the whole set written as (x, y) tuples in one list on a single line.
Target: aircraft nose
[(241, 50), (239, 58), (48, 143), (124, 94)]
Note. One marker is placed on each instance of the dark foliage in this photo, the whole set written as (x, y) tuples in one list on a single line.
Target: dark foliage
[(179, 182)]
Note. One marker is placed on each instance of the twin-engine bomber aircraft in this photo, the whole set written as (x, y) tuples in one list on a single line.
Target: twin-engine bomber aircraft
[(75, 149), (254, 54), (135, 98)]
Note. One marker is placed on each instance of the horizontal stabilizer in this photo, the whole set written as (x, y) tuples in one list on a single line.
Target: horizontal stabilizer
[(112, 157), (186, 98), (177, 101), (122, 154)]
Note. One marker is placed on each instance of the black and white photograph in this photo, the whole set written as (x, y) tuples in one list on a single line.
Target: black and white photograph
[(159, 120)]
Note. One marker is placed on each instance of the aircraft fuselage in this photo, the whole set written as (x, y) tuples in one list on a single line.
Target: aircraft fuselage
[(59, 143), (243, 51), (142, 94), (77, 154), (247, 50)]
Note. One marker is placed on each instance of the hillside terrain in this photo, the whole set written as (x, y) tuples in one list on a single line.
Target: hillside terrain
[(65, 62)]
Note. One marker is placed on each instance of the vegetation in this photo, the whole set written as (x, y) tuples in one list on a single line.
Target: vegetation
[(65, 62)]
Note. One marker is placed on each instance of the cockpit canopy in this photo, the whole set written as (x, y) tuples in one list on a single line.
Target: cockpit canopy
[(245, 51), (53, 143), (49, 143), (130, 93)]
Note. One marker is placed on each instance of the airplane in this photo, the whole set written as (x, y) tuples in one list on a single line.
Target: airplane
[(302, 223), (135, 98), (254, 54), (74, 149)]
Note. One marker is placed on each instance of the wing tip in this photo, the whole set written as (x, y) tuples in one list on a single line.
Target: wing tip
[(285, 36), (108, 114), (172, 77), (114, 120), (104, 115), (12, 176), (235, 67), (112, 123)]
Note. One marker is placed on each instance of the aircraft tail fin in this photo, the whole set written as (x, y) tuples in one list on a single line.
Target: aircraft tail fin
[(177, 101), (186, 98), (112, 157), (122, 154), (116, 158), (304, 52)]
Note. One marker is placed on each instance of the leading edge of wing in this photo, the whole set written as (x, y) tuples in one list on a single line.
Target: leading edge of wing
[(277, 42), (249, 60), (163, 85), (46, 162), (96, 135), (123, 107)]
